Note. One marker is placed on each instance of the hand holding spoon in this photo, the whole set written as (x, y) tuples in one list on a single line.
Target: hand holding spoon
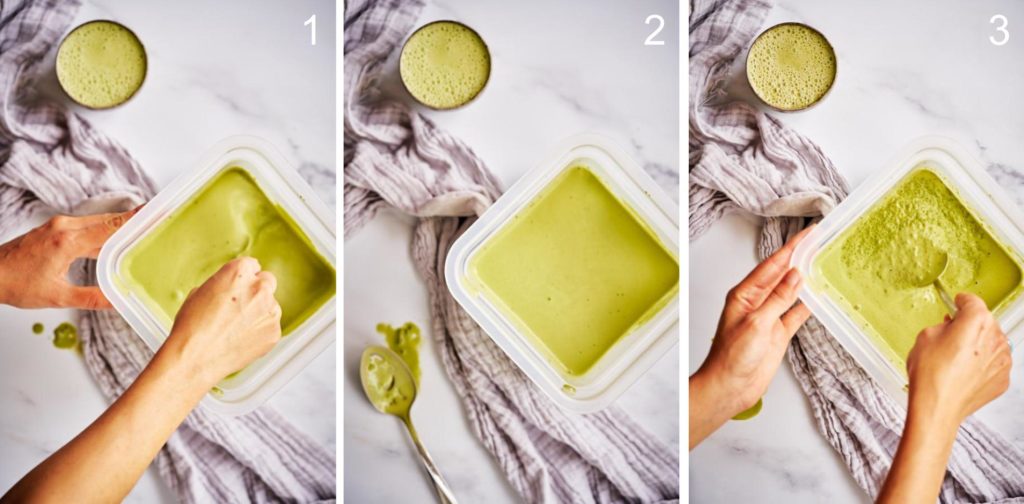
[(390, 387)]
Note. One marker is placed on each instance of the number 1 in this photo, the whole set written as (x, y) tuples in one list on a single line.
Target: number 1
[(311, 23)]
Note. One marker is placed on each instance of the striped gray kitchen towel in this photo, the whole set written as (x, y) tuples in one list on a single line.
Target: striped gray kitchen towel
[(395, 157), (52, 160), (742, 159)]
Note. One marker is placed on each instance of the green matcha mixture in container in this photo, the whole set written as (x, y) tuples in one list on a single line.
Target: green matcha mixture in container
[(244, 200), (574, 273), (870, 265), (230, 217)]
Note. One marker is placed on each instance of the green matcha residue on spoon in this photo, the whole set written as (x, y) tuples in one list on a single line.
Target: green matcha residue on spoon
[(404, 341), (390, 386), (387, 381), (65, 336)]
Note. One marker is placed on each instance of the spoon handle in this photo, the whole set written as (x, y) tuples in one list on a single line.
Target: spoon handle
[(444, 493), (946, 298)]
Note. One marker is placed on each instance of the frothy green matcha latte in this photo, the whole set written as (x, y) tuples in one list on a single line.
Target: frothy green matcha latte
[(101, 64), (791, 66), (873, 268), (445, 64), (577, 269), (230, 217)]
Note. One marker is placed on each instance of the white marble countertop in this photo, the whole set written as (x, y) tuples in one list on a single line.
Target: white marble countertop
[(215, 69), (559, 69), (906, 69)]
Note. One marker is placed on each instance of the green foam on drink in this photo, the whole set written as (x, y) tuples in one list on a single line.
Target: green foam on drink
[(101, 64), (445, 64), (791, 66)]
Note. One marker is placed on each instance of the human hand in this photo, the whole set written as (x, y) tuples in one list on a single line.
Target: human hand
[(224, 324), (757, 323), (227, 322), (955, 368), (34, 266), (959, 365)]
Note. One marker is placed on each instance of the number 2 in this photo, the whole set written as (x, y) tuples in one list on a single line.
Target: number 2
[(661, 25), (311, 23), (1001, 29)]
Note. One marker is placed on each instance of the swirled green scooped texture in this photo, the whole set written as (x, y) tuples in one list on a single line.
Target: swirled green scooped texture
[(874, 268)]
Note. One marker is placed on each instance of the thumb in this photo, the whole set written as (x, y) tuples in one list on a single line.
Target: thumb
[(92, 237), (86, 298)]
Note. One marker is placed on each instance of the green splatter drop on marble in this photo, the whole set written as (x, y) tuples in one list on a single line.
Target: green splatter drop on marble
[(65, 336)]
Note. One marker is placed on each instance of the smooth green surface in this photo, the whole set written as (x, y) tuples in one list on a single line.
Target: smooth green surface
[(404, 341), (65, 336), (791, 66), (875, 268), (577, 269), (230, 217), (445, 64), (387, 381), (101, 64), (38, 328)]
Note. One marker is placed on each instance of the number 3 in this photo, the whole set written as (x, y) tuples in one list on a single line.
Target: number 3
[(1001, 29), (661, 25)]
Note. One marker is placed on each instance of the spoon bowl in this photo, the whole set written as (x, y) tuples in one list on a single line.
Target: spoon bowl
[(933, 268), (387, 381), (389, 385), (932, 276)]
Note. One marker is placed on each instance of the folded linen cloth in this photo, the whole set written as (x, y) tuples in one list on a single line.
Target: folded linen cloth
[(395, 157), (51, 159), (744, 160)]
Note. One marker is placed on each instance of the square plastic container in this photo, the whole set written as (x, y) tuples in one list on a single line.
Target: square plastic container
[(252, 386), (637, 350), (967, 178)]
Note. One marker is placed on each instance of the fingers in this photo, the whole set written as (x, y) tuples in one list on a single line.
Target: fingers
[(266, 280), (88, 234), (85, 298), (266, 285), (965, 301), (244, 267), (752, 291), (795, 317), (782, 296), (972, 314)]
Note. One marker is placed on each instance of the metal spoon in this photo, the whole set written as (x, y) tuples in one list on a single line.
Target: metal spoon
[(389, 385), (933, 277)]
